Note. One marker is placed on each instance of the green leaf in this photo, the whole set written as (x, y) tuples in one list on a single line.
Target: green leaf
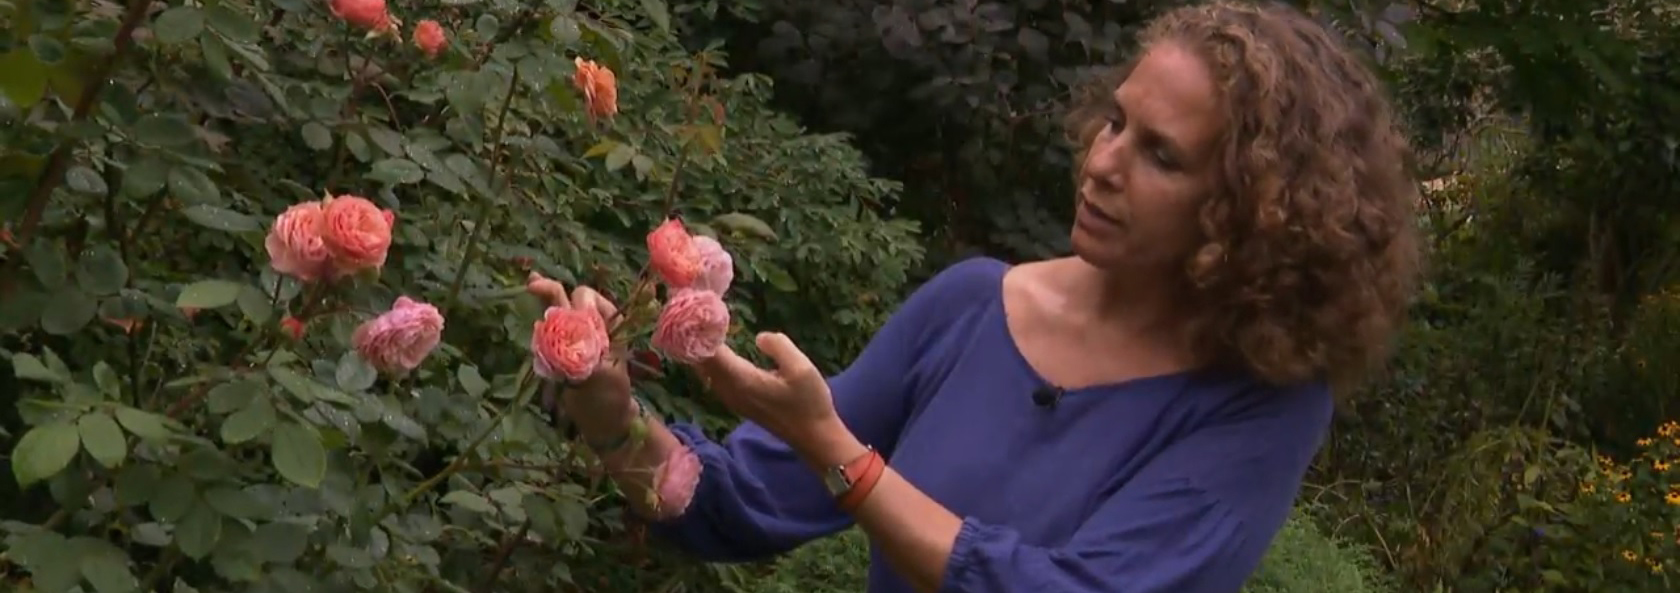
[(255, 305), (198, 532), (354, 374), (68, 310), (22, 309), (400, 422), (233, 396), (146, 176), (101, 270), (745, 223), (48, 262), (23, 78), (109, 572), (163, 130), (193, 186), (778, 277), (221, 219), (660, 15), (235, 25), (28, 367), (84, 180), (215, 53), (43, 553), (178, 24), (44, 451), (102, 438), (564, 29), (471, 380), (468, 500), (298, 454), (317, 136), (208, 294), (174, 497), (619, 156), (143, 424), (236, 503), (107, 379), (397, 171), (249, 422), (48, 50), (280, 542)]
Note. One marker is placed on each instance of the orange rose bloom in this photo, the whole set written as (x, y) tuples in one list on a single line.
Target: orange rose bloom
[(599, 87), (428, 36), (357, 233)]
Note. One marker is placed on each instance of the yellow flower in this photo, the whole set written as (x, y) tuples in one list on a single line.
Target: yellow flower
[(1604, 460), (1587, 488), (1630, 556), (1645, 442), (1660, 465), (1623, 497), (1672, 498), (1668, 429)]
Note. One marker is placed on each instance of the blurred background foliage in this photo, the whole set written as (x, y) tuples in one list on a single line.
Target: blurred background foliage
[(1520, 441)]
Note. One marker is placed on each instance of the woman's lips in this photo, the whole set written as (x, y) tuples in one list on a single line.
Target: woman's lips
[(1093, 216)]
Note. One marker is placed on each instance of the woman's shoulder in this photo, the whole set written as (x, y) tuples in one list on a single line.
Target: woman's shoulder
[(959, 286), (971, 274)]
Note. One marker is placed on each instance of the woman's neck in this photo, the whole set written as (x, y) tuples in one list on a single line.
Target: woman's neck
[(1135, 303)]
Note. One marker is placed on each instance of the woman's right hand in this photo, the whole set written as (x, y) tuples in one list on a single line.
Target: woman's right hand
[(601, 403)]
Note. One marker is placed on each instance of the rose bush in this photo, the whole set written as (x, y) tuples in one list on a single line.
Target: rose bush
[(263, 311)]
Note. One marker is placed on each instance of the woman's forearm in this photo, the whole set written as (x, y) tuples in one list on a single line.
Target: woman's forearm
[(914, 532), (656, 472)]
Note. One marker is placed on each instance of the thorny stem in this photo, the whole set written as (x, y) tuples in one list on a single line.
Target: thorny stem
[(499, 179), (53, 172), (503, 552), (464, 459)]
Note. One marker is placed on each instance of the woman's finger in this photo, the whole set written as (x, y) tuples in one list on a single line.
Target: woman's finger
[(550, 291), (584, 297), (791, 363), (727, 370)]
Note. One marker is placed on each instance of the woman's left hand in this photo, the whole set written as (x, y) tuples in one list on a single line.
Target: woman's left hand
[(792, 401)]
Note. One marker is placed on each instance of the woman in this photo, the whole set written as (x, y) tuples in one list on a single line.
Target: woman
[(1135, 418)]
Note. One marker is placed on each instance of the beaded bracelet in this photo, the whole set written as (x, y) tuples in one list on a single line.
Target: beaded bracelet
[(636, 432)]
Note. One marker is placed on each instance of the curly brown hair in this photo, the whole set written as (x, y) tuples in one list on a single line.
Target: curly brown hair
[(1310, 252)]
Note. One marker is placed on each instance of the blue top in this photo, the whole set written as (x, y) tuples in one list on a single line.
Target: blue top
[(1175, 483)]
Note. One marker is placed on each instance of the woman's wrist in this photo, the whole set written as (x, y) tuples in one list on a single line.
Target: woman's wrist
[(600, 419), (829, 444)]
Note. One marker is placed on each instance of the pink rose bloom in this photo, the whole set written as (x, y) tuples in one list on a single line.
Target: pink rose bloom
[(692, 326), (428, 36), (569, 343), (717, 267), (367, 14), (357, 233), (294, 243), (399, 340), (672, 254)]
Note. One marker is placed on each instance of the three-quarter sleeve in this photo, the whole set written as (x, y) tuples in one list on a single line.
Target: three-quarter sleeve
[(755, 498), (1197, 519)]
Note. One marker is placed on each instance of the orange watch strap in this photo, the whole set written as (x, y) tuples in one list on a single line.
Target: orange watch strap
[(868, 475)]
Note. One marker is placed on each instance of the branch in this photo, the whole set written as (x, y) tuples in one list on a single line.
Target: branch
[(53, 172)]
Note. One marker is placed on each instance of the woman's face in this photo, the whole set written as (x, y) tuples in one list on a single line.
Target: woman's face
[(1150, 167)]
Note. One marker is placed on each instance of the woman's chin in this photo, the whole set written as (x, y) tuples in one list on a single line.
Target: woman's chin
[(1100, 252)]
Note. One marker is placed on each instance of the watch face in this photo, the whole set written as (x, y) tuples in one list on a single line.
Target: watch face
[(836, 481)]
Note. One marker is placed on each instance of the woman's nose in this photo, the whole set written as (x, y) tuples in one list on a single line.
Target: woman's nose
[(1106, 163)]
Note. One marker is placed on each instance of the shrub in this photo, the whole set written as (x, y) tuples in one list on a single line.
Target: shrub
[(1301, 560), (187, 419)]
